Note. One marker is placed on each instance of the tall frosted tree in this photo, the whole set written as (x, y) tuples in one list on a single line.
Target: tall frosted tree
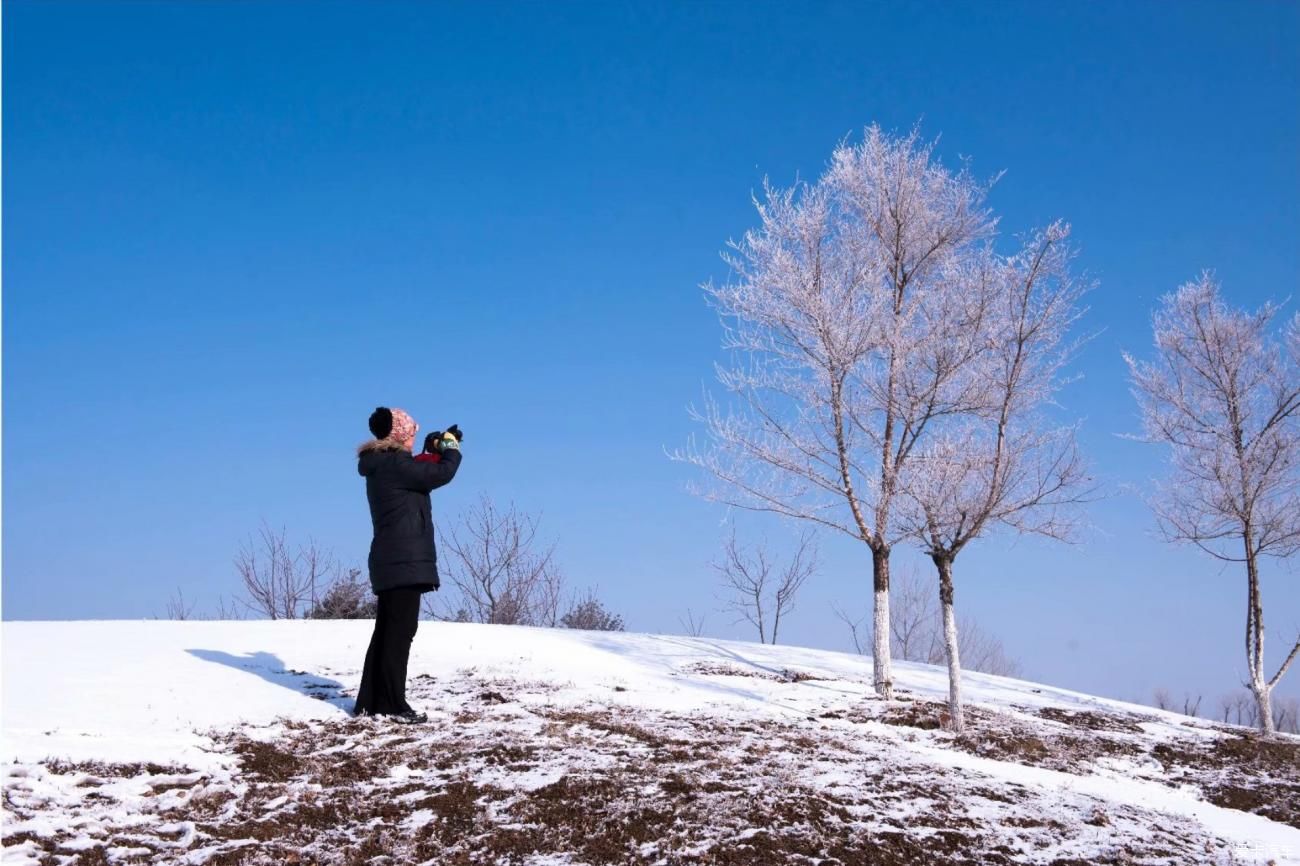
[(847, 315), (1003, 464), (1223, 394)]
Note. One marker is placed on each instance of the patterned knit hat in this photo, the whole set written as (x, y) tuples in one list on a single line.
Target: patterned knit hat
[(404, 427)]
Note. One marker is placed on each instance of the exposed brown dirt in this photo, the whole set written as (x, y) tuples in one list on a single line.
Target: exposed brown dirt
[(267, 760), (1091, 721), (786, 675), (113, 771), (1240, 771), (685, 791)]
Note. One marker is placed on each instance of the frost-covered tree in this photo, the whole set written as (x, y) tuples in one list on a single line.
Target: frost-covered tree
[(845, 312), (1224, 395), (1003, 464)]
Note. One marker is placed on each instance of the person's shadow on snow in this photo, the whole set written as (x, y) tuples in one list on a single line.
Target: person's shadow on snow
[(269, 667)]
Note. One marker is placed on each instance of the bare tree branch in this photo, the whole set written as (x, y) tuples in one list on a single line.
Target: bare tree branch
[(178, 608), (277, 582), (690, 624), (759, 592), (499, 569)]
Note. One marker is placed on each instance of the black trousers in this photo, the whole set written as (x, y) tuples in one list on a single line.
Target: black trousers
[(383, 680)]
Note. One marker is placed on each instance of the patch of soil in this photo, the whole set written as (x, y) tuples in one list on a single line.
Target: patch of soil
[(1260, 753), (716, 670), (1278, 802), (1240, 771), (457, 807), (353, 767), (13, 840), (267, 761), (917, 714), (611, 723), (115, 771), (505, 754), (786, 675), (1019, 747), (1092, 721), (793, 676), (685, 790)]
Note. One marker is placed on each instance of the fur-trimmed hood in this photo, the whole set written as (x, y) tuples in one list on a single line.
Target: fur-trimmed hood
[(379, 451), (380, 445)]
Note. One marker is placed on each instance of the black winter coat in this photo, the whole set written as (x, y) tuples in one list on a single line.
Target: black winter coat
[(402, 553)]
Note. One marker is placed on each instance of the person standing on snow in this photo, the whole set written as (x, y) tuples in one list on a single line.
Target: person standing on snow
[(403, 561)]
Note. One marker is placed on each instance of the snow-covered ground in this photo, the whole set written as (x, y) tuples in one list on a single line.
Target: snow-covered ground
[(212, 742)]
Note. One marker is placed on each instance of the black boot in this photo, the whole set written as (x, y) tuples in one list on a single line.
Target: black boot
[(411, 717)]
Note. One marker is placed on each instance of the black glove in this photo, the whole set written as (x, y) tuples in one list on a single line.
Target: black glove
[(454, 430)]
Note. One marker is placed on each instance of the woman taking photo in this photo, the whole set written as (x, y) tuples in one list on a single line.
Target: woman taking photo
[(403, 562)]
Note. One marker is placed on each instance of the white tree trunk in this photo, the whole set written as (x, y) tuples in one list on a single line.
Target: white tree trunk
[(1264, 700), (955, 711), (882, 668), (880, 651), (1259, 685)]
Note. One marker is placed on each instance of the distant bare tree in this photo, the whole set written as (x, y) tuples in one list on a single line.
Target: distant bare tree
[(277, 581), (917, 631), (912, 619), (859, 630), (1241, 708), (547, 594), (980, 651), (178, 607), (1233, 707), (228, 610), (589, 613), (690, 624), (1224, 397), (501, 572), (838, 301), (1161, 699), (759, 591), (1286, 715), (315, 564)]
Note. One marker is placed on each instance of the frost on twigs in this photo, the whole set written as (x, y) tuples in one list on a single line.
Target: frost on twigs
[(849, 317), (1222, 395)]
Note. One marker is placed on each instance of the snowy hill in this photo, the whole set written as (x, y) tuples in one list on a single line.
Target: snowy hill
[(230, 742)]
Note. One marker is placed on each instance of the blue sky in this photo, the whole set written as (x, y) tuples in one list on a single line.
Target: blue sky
[(233, 229)]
